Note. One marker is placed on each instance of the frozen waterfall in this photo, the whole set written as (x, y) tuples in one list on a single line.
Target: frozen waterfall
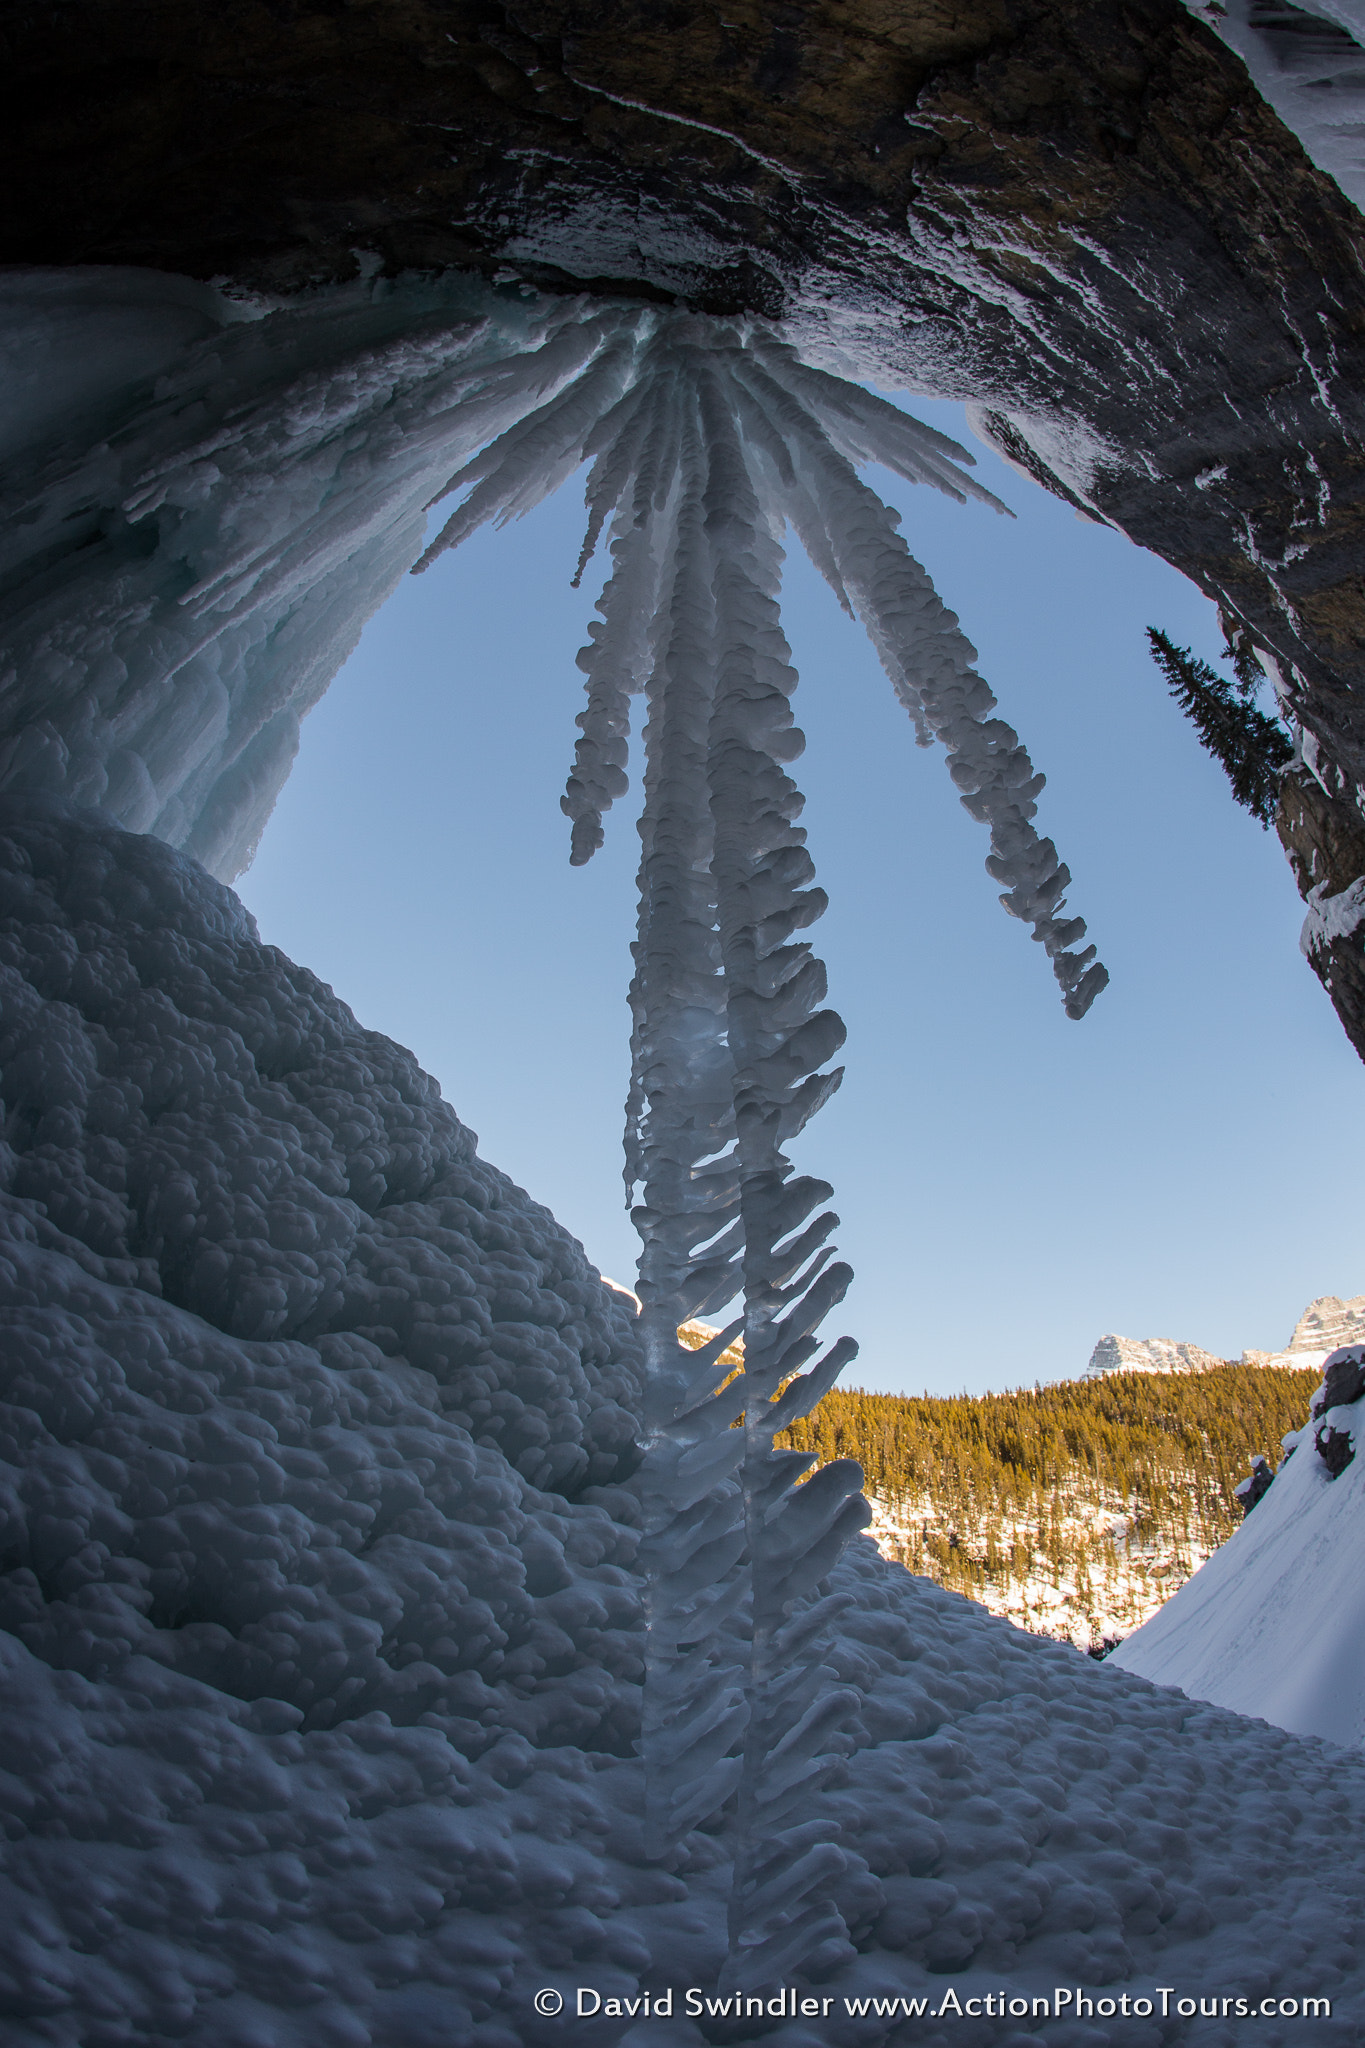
[(200, 550)]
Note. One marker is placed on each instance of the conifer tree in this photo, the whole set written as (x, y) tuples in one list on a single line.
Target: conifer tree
[(1253, 749)]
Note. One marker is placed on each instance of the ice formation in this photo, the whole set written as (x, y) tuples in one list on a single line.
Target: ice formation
[(1309, 62), (193, 531), (193, 542), (323, 1626), (188, 584)]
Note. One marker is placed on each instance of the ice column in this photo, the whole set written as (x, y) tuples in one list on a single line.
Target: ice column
[(782, 1914)]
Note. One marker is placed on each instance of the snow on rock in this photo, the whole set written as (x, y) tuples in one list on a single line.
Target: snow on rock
[(321, 1636), (1325, 1325)]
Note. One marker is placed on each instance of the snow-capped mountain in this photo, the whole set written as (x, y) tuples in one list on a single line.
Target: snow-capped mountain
[(1324, 1325)]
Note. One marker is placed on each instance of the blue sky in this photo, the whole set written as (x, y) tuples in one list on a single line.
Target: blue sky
[(1181, 1163)]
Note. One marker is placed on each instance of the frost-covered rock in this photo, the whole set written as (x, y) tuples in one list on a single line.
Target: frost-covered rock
[(321, 1641)]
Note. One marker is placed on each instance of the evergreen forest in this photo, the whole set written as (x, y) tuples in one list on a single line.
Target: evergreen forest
[(1077, 1508)]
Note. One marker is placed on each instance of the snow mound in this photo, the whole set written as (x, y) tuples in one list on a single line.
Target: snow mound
[(1274, 1623), (321, 1639)]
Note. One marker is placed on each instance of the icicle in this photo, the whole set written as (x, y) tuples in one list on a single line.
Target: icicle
[(682, 1091), (929, 660), (533, 458), (621, 647), (866, 428), (782, 1913)]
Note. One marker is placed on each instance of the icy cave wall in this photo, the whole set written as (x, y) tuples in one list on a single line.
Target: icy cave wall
[(204, 500), (1081, 215)]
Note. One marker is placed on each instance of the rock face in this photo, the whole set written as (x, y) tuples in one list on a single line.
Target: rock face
[(1325, 841), (1077, 213), (1147, 1354), (1324, 1325)]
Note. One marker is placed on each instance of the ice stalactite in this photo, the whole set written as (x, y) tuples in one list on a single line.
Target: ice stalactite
[(703, 446), (681, 1131), (190, 556), (782, 1914), (807, 433)]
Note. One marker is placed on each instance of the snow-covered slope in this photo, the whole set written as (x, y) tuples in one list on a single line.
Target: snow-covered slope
[(1274, 1623), (321, 1637)]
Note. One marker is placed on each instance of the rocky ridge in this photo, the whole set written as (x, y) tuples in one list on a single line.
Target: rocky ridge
[(1324, 1325)]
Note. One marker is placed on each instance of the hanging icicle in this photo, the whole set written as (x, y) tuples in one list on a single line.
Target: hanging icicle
[(707, 438)]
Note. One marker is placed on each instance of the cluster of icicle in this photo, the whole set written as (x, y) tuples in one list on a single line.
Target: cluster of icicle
[(706, 438), (186, 563)]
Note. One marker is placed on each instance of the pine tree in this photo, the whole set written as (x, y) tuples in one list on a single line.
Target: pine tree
[(1253, 749)]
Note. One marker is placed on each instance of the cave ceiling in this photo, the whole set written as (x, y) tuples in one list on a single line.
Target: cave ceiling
[(1079, 214)]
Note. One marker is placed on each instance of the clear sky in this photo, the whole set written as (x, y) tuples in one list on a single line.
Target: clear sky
[(1182, 1163)]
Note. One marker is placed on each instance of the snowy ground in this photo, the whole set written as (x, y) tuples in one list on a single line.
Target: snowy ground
[(321, 1635)]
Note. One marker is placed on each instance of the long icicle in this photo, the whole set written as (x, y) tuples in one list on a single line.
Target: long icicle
[(683, 1096), (783, 1913), (930, 662)]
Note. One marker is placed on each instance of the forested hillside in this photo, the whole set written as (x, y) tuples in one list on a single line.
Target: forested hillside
[(1074, 1509)]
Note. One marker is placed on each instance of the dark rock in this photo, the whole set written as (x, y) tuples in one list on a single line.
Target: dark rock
[(1336, 1448), (1324, 837), (1256, 1487), (1343, 1380)]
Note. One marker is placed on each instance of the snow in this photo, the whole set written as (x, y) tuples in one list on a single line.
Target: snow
[(323, 1620), (1274, 1623), (1114, 1575), (1331, 917)]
